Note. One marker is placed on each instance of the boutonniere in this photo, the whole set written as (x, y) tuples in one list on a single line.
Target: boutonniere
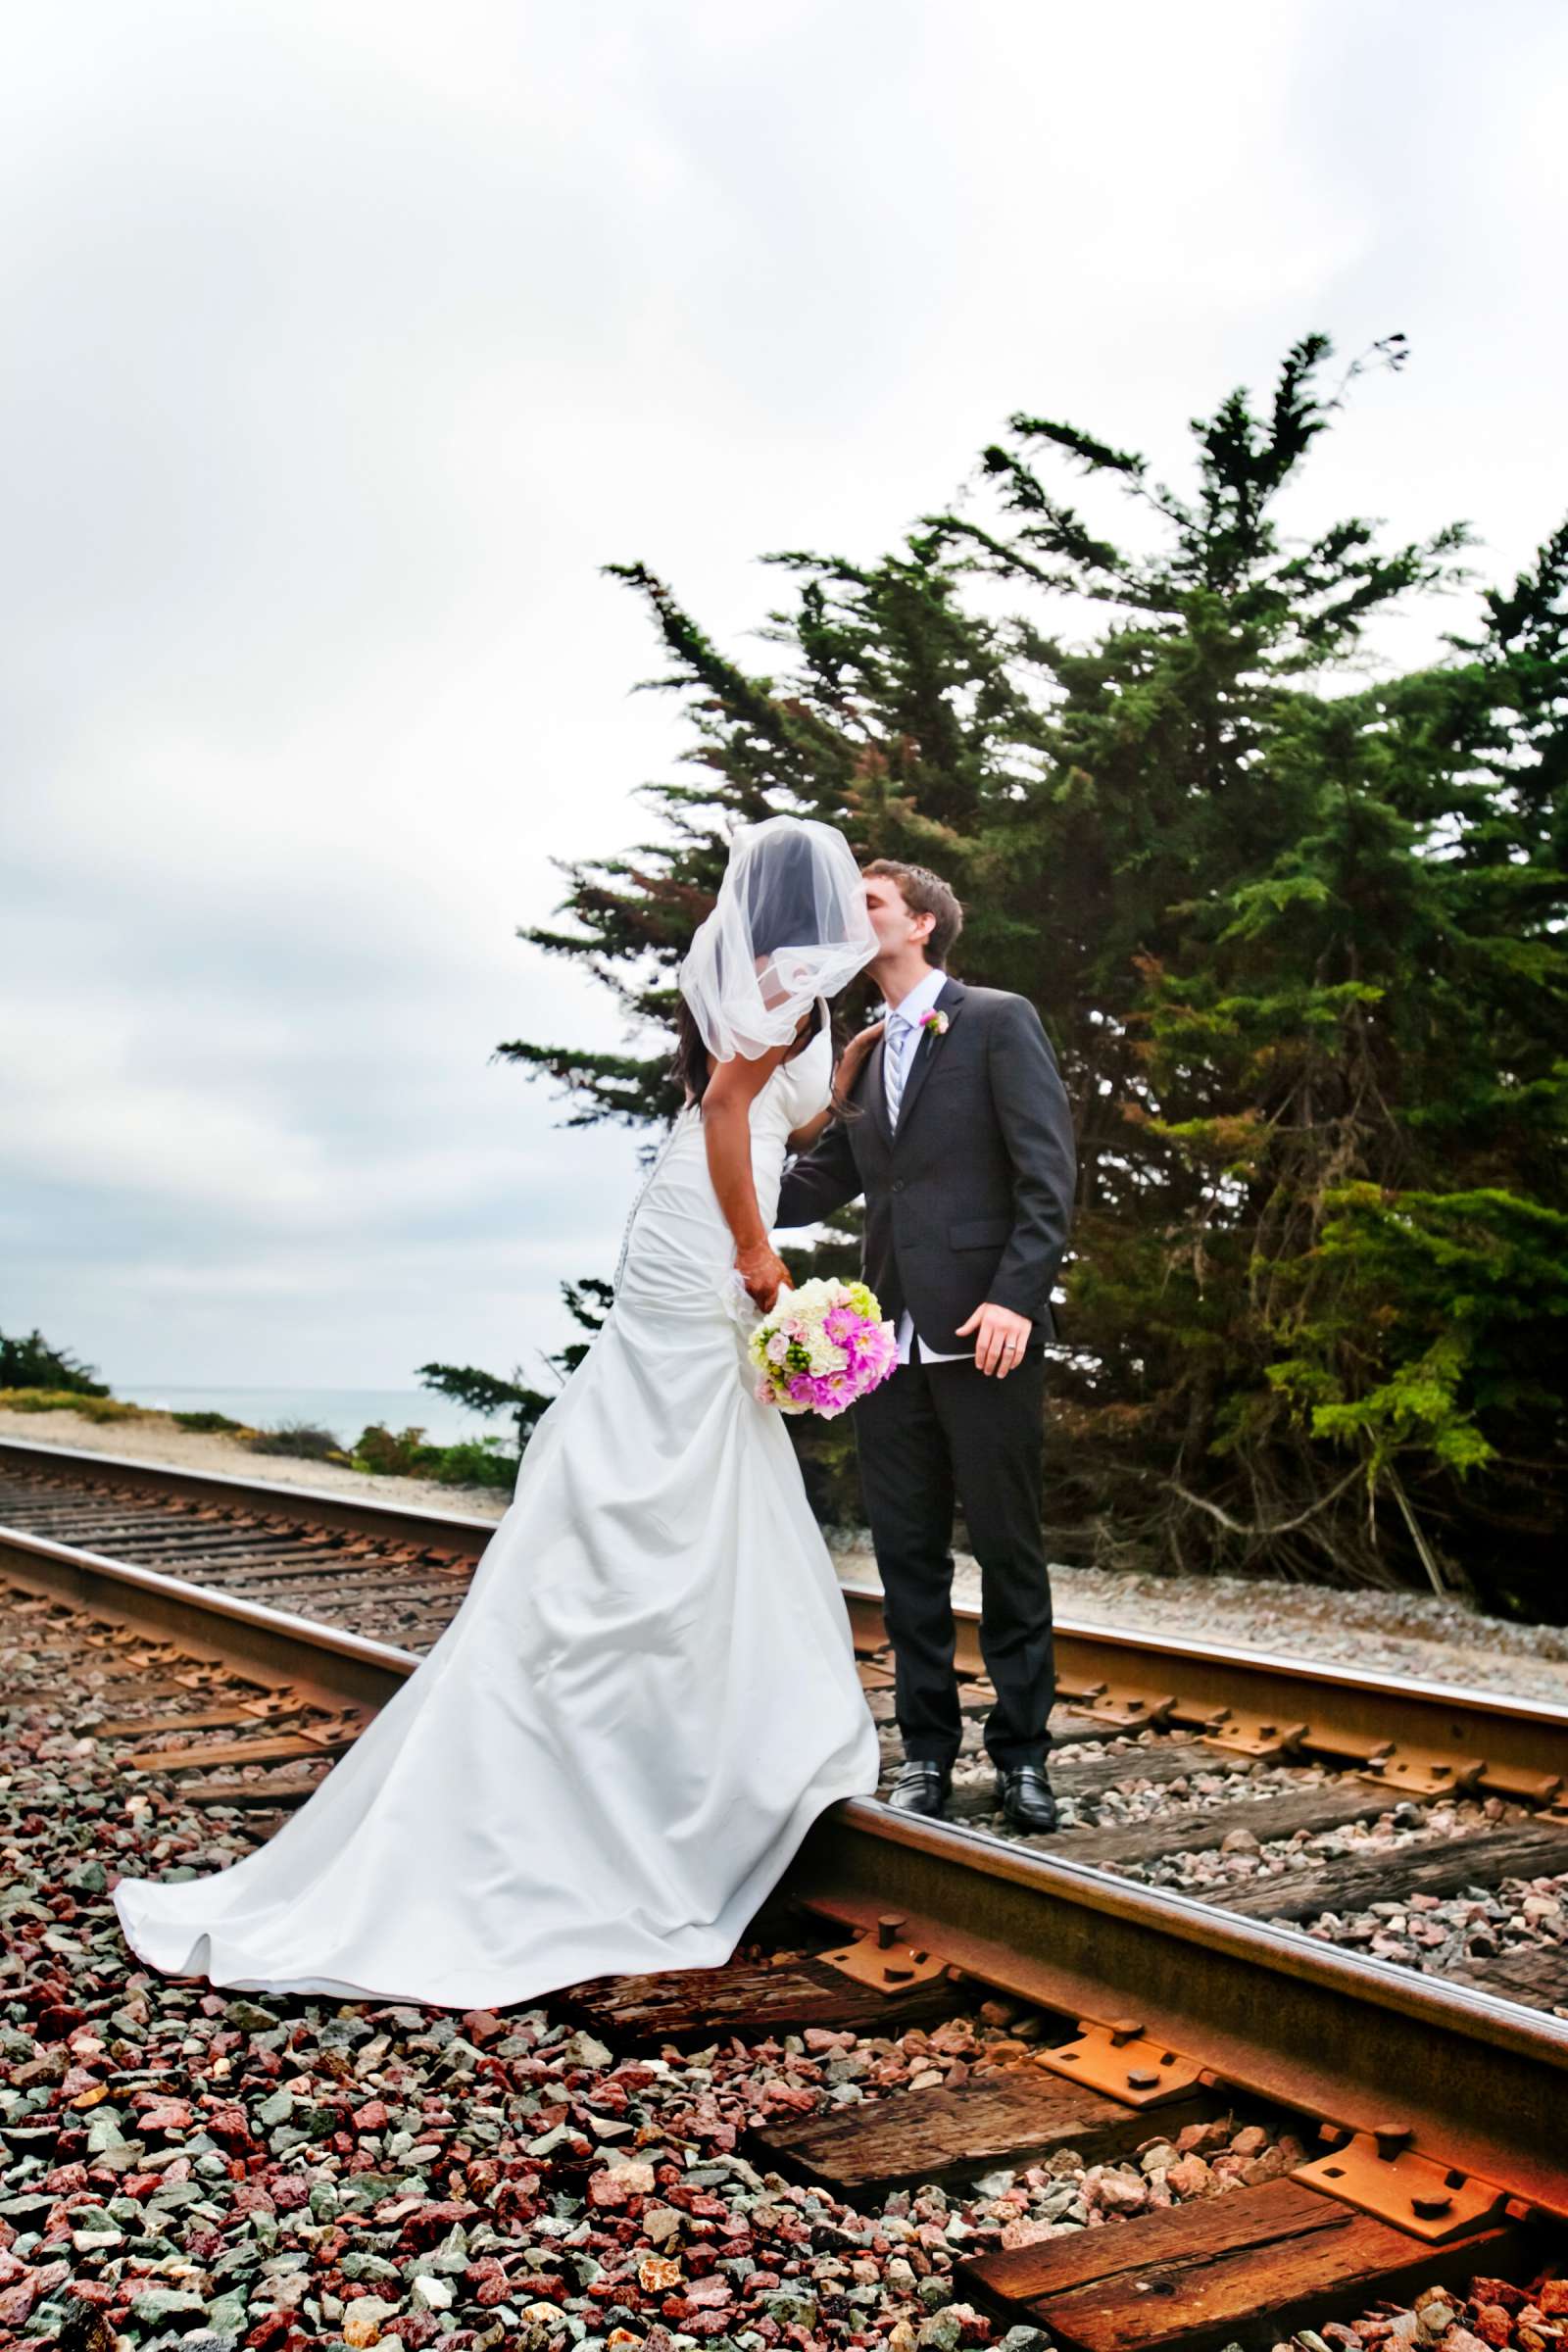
[(936, 1022)]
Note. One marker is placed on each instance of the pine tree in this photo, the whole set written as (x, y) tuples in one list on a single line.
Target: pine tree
[(1296, 942), (486, 1392), (901, 722), (32, 1363)]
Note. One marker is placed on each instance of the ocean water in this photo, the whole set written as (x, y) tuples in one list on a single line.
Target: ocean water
[(344, 1411)]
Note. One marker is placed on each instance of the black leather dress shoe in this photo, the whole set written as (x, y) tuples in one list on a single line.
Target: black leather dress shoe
[(922, 1789), (1026, 1797)]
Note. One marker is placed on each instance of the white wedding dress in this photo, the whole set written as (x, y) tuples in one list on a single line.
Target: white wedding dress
[(613, 1750)]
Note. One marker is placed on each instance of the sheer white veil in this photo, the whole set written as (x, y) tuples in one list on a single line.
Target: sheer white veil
[(789, 925)]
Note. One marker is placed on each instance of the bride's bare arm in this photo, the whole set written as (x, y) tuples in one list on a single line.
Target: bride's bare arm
[(727, 1139)]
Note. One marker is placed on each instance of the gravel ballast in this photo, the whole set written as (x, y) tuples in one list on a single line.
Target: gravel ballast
[(208, 2168)]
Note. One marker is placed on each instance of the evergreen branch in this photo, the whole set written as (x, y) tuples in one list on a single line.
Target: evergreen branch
[(1094, 456)]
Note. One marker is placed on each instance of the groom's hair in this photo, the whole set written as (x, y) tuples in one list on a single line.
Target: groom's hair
[(924, 893)]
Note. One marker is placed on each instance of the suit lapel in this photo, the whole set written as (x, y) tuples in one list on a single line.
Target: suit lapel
[(949, 999)]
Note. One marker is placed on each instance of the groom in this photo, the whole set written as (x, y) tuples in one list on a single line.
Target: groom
[(960, 1137)]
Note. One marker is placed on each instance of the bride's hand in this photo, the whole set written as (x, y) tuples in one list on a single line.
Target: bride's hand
[(853, 1055), (764, 1274), (852, 1060)]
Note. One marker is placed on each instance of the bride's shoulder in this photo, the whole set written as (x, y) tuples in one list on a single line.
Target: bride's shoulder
[(806, 1072), (813, 1069)]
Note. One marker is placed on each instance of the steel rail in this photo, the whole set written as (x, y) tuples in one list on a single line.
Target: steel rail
[(1338, 1713), (247, 1635), (324, 1507), (1477, 2082)]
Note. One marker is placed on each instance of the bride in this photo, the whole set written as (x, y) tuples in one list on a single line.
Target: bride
[(613, 1750)]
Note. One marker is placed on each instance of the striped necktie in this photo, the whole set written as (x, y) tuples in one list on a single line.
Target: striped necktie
[(899, 1031)]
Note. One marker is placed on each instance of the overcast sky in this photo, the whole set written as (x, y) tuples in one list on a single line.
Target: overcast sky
[(344, 343)]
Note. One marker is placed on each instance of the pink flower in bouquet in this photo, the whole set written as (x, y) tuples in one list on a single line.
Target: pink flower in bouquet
[(830, 1348), (873, 1347)]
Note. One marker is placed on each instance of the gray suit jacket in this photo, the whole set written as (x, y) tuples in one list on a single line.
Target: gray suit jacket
[(971, 1198)]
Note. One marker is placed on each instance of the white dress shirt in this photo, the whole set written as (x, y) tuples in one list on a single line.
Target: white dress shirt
[(920, 999)]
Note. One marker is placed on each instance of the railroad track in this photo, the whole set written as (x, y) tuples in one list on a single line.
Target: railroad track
[(1424, 1823), (1426, 2118)]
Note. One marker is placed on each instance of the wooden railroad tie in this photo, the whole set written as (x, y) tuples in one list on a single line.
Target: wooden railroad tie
[(1527, 1849), (332, 1735), (1120, 1844), (1018, 2115), (275, 1794), (1252, 2266), (1536, 1976), (264, 1706), (757, 1999)]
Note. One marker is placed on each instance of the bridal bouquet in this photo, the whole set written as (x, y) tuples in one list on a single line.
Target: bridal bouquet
[(823, 1345)]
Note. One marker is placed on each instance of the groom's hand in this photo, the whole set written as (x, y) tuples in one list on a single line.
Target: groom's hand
[(1002, 1339)]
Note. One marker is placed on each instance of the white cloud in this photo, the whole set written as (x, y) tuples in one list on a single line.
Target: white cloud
[(344, 343)]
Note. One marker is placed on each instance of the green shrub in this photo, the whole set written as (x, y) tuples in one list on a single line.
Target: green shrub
[(398, 1456), (211, 1423), (297, 1437), (477, 1462), (89, 1403)]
